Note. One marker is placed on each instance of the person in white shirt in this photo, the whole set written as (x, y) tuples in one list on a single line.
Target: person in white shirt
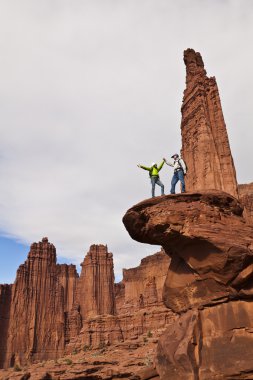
[(179, 172)]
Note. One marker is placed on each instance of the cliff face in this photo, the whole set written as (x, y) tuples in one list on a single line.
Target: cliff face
[(142, 286), (68, 278), (205, 144), (210, 278), (5, 305)]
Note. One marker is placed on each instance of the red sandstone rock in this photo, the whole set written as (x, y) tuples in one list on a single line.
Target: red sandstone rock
[(61, 310), (5, 304), (36, 327), (207, 239), (68, 278), (96, 283), (205, 145), (213, 343), (143, 285), (210, 275), (109, 330), (246, 199)]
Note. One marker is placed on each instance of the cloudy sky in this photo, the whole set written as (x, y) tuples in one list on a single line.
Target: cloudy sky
[(91, 88)]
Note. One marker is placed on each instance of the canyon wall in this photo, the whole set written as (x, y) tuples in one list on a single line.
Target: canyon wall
[(209, 282), (205, 144), (142, 286)]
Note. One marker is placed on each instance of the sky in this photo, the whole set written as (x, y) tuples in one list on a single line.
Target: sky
[(91, 88)]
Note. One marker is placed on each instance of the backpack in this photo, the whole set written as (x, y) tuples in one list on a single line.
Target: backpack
[(186, 168)]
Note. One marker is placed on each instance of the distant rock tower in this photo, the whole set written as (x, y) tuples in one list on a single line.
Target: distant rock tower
[(96, 284), (36, 314), (205, 144)]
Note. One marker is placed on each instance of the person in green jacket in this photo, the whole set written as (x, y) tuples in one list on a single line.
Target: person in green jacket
[(154, 176)]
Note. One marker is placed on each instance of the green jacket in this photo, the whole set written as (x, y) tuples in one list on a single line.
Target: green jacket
[(153, 171)]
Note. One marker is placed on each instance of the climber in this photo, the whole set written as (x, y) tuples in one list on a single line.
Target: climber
[(154, 176), (179, 172)]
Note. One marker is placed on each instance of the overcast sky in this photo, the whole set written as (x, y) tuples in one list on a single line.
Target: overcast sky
[(89, 89)]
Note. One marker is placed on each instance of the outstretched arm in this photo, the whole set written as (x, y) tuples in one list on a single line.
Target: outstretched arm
[(143, 167), (168, 163)]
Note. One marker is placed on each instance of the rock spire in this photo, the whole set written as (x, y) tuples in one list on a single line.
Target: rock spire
[(205, 144), (36, 318), (96, 284)]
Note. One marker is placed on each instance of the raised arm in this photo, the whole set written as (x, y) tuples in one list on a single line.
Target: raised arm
[(160, 166)]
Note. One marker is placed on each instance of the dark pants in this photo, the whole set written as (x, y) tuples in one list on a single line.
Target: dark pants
[(178, 176), (156, 181)]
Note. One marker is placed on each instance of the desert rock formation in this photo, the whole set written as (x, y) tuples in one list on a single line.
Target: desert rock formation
[(208, 234), (96, 283), (5, 305), (246, 199), (36, 318), (142, 286), (50, 310), (210, 278), (205, 144)]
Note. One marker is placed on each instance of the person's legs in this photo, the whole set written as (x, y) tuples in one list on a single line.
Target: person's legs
[(174, 181), (159, 183), (153, 181), (181, 178)]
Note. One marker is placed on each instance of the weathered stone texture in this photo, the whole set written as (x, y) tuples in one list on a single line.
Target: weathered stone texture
[(208, 344), (207, 239), (210, 279), (109, 330), (205, 144), (142, 286), (96, 283), (49, 309), (5, 305), (36, 328), (68, 278), (246, 199)]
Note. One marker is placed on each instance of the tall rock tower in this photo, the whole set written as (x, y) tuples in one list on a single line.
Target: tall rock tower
[(96, 283), (205, 144), (36, 314)]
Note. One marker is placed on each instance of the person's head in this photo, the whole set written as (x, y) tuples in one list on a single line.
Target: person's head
[(175, 156), (153, 164)]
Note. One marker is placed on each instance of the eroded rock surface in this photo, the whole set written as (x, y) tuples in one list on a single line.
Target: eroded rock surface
[(208, 241), (96, 284), (50, 310), (205, 144), (246, 199), (142, 286), (209, 282), (5, 305), (213, 343), (36, 317)]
